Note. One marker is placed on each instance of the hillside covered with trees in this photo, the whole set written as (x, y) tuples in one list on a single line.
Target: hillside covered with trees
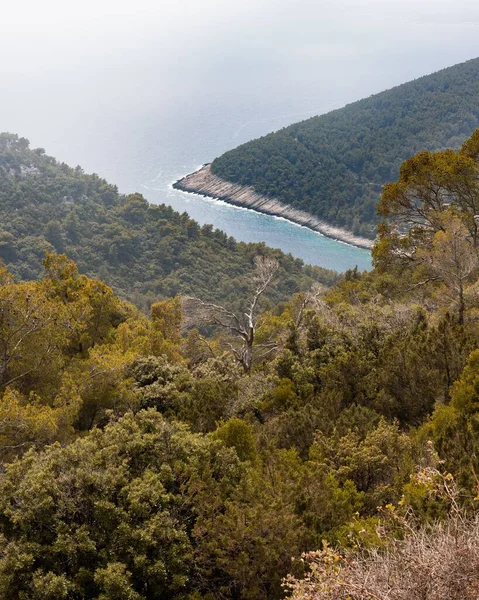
[(145, 252), (153, 458), (333, 166)]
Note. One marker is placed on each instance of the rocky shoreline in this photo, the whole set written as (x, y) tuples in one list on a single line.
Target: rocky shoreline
[(205, 183)]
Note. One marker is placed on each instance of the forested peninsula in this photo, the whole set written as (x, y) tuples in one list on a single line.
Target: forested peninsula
[(333, 166), (206, 183)]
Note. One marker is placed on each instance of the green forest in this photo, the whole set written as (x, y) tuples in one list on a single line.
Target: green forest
[(333, 166), (323, 445), (143, 251)]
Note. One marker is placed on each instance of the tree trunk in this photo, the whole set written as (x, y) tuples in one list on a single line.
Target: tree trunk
[(462, 308)]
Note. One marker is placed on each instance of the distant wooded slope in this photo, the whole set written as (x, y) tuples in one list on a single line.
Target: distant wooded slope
[(333, 166), (144, 251)]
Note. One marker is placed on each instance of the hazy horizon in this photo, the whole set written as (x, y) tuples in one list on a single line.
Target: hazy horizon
[(96, 84)]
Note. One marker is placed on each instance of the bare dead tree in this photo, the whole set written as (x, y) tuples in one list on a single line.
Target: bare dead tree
[(243, 328)]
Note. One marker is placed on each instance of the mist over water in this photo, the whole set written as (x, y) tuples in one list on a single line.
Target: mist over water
[(143, 93)]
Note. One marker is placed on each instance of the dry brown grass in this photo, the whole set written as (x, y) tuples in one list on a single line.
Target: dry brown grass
[(441, 563)]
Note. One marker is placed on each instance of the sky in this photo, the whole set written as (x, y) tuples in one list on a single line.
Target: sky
[(87, 80)]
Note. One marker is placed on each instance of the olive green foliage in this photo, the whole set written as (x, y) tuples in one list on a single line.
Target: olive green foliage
[(185, 477), (239, 435), (454, 427), (142, 507), (334, 165), (141, 461), (111, 516), (144, 252)]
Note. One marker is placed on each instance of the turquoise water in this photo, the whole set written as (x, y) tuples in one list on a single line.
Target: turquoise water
[(249, 226)]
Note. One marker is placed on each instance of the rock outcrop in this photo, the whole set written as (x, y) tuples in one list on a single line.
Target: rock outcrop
[(205, 183)]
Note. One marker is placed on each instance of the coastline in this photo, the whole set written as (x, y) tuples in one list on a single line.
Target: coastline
[(205, 183)]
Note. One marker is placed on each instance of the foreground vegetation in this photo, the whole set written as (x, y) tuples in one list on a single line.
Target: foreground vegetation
[(190, 454), (333, 166)]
